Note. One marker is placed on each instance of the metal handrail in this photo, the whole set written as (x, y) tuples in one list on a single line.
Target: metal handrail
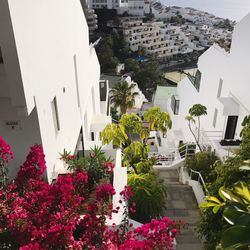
[(200, 178)]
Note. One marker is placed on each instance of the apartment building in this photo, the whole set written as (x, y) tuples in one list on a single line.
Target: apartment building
[(221, 83), (159, 39), (131, 7), (49, 81), (148, 35)]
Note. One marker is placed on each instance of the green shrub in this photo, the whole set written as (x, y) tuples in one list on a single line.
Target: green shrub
[(203, 162), (149, 196)]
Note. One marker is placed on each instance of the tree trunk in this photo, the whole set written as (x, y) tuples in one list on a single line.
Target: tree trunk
[(134, 169), (197, 142)]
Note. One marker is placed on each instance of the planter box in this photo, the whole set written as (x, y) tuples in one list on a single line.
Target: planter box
[(230, 142)]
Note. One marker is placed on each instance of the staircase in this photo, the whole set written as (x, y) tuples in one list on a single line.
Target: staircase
[(181, 205)]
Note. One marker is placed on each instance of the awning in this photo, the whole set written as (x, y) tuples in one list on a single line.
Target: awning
[(231, 107), (99, 122)]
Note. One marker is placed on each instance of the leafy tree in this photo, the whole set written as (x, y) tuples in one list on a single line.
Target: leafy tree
[(244, 151), (142, 51), (132, 123), (131, 65), (158, 120), (106, 56), (196, 111), (114, 133), (114, 113), (148, 75), (135, 153), (149, 195), (146, 166), (122, 96)]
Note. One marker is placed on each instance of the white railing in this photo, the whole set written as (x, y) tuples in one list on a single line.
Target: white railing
[(207, 138), (199, 179), (174, 154), (199, 187)]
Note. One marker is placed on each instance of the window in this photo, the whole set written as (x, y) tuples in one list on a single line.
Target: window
[(215, 117), (55, 114), (219, 88), (76, 81), (92, 136), (175, 104), (196, 80), (1, 57)]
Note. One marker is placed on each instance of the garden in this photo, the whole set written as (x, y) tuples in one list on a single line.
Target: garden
[(225, 216), (149, 192), (70, 213)]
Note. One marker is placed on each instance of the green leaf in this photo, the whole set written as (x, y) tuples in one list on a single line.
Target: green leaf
[(214, 199), (208, 204), (216, 209), (235, 237), (244, 167)]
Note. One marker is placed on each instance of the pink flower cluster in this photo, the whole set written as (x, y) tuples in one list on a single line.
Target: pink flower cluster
[(5, 152), (109, 167), (34, 166), (104, 191), (65, 215)]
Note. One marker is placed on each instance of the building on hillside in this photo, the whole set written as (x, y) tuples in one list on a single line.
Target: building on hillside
[(131, 7), (157, 38), (221, 83), (90, 17), (49, 81)]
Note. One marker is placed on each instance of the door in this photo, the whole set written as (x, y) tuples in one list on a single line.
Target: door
[(231, 127)]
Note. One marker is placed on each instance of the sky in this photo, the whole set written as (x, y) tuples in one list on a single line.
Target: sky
[(232, 9)]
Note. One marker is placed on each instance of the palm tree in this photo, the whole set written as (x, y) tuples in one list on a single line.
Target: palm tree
[(197, 110), (122, 96)]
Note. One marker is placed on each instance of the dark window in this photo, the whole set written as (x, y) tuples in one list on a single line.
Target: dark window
[(231, 127), (55, 114), (175, 104), (1, 57), (92, 136), (196, 80), (103, 90)]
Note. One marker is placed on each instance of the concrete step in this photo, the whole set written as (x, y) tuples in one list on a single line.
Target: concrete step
[(181, 205), (168, 174), (188, 246)]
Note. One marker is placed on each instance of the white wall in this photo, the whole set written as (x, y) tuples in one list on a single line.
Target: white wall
[(216, 64), (20, 139), (48, 34)]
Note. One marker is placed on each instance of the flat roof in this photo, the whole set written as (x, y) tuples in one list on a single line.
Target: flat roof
[(176, 76), (163, 92)]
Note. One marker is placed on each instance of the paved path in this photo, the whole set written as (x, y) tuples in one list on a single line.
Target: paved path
[(182, 205)]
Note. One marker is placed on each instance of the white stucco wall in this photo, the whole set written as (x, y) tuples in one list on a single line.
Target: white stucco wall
[(216, 64), (47, 35)]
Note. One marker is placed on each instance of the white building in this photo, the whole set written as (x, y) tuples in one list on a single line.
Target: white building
[(49, 81), (222, 85), (131, 7), (159, 39)]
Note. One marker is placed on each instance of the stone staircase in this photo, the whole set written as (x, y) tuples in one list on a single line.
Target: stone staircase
[(181, 205)]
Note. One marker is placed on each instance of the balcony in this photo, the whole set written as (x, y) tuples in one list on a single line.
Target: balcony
[(213, 140)]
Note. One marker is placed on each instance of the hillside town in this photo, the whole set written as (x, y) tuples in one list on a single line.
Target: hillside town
[(125, 125)]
